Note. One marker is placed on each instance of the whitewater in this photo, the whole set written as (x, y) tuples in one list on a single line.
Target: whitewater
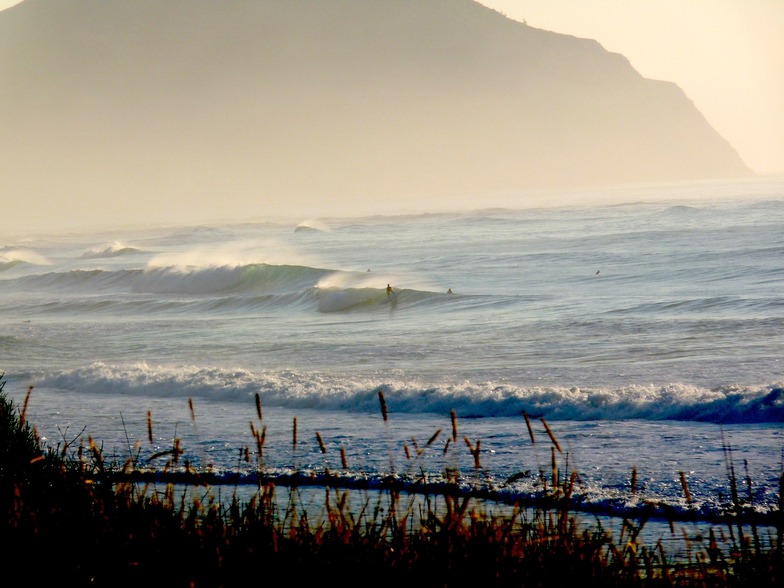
[(647, 334)]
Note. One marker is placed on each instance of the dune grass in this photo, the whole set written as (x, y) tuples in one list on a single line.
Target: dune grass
[(72, 518)]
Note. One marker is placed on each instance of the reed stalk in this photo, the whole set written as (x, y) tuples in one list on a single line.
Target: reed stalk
[(445, 539)]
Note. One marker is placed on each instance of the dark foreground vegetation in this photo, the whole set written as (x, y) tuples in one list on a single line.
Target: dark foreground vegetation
[(71, 519)]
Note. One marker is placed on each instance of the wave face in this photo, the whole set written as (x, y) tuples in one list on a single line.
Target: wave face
[(256, 278)]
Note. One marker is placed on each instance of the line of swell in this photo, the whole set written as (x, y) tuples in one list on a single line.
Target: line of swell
[(342, 392), (259, 278)]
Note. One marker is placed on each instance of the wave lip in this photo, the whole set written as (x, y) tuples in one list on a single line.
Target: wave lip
[(115, 249), (11, 257)]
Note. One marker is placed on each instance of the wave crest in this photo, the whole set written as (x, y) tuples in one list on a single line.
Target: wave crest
[(115, 249)]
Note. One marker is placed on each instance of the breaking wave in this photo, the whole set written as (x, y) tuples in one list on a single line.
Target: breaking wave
[(331, 391)]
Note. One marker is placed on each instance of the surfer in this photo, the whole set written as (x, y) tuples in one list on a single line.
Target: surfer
[(449, 291), (389, 290)]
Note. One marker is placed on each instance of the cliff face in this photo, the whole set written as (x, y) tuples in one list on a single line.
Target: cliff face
[(182, 101)]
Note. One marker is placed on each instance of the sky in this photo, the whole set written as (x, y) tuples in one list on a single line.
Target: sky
[(726, 55)]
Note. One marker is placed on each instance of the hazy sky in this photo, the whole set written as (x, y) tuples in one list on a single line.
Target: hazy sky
[(726, 55)]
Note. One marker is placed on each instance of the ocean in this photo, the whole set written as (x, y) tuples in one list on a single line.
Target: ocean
[(647, 333)]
